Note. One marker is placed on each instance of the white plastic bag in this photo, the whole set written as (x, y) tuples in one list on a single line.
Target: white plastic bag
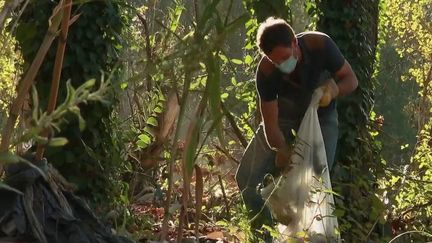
[(301, 199)]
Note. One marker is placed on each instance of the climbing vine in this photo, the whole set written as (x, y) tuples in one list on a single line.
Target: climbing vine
[(353, 25)]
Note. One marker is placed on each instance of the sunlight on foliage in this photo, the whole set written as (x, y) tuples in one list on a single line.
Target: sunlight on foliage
[(409, 23), (9, 70)]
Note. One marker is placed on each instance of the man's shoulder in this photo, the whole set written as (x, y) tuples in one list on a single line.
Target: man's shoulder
[(265, 67), (313, 40)]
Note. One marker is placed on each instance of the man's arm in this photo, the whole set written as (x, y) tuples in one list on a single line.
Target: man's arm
[(347, 83), (347, 80), (274, 136)]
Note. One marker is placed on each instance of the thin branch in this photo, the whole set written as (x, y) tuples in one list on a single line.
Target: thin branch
[(233, 124), (224, 197), (417, 207), (148, 47), (57, 70), (411, 232), (226, 154), (196, 10), (199, 190), (169, 30)]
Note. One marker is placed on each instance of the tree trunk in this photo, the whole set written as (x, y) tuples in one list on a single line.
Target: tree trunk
[(353, 25)]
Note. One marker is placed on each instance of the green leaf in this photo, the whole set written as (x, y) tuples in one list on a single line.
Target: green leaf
[(152, 121), (35, 99), (86, 86), (331, 192), (237, 61), (214, 82), (177, 14), (158, 109), (70, 92), (58, 142), (221, 223), (142, 144), (145, 138), (248, 59), (123, 85)]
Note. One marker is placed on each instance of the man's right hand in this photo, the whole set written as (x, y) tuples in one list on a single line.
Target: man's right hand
[(283, 157)]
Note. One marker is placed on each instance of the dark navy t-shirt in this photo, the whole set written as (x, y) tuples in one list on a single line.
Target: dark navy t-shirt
[(321, 58)]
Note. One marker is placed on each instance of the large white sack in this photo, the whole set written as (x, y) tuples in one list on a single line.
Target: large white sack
[(301, 198)]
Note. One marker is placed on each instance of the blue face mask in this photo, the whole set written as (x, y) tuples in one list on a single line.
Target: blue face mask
[(288, 65)]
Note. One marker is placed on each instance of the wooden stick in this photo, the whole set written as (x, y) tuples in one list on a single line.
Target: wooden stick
[(199, 191), (57, 70)]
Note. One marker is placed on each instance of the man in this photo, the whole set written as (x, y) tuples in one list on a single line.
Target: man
[(291, 68)]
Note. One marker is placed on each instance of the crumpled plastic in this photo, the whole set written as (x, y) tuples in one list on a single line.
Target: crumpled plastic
[(58, 224), (301, 197)]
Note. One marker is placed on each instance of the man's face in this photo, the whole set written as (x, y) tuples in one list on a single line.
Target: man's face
[(281, 53)]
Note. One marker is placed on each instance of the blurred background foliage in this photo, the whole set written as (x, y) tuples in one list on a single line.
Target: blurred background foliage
[(181, 108)]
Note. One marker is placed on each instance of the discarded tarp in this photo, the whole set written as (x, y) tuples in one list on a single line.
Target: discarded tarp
[(46, 210)]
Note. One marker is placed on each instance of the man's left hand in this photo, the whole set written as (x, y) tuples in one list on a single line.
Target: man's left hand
[(330, 91)]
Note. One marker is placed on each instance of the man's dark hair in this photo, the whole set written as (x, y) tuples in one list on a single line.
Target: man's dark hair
[(274, 32)]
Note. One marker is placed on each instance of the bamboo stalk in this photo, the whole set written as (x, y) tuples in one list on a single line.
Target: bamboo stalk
[(57, 70), (28, 79)]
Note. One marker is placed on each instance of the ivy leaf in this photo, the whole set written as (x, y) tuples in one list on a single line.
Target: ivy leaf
[(152, 121), (145, 138), (142, 144)]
